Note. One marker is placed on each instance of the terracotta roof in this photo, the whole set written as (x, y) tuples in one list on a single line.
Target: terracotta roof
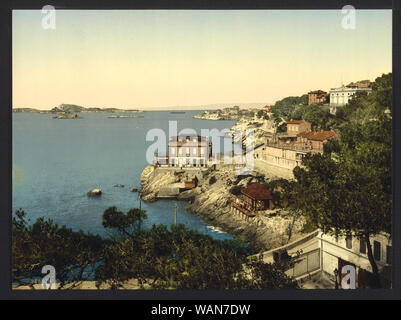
[(189, 184), (257, 192), (317, 92), (296, 121), (318, 135)]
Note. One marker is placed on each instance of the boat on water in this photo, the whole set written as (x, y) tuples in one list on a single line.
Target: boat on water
[(216, 229), (124, 116)]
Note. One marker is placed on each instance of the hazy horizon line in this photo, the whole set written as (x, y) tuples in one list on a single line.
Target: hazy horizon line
[(179, 107)]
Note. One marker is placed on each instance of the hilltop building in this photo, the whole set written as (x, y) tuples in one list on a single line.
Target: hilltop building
[(317, 97), (339, 97)]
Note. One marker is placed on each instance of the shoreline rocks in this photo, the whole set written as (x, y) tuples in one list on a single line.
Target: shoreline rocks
[(212, 202)]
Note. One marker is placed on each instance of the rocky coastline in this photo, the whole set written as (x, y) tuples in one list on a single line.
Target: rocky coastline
[(211, 201)]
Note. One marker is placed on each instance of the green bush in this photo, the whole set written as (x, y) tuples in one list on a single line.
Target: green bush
[(235, 190), (212, 180)]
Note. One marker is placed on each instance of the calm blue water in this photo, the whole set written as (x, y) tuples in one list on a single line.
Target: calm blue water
[(56, 162)]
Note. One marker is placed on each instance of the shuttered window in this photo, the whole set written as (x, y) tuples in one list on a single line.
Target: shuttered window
[(377, 250), (362, 246), (389, 255), (348, 241)]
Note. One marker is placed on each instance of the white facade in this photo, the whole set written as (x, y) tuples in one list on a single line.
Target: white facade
[(339, 97), (188, 151), (354, 251), (321, 252)]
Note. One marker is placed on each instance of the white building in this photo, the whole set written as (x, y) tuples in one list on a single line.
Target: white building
[(186, 151), (339, 97), (318, 253), (338, 252)]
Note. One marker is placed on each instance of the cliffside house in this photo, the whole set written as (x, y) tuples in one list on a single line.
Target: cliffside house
[(186, 151), (339, 97), (317, 97), (253, 201)]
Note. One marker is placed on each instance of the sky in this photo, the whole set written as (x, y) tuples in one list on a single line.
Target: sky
[(143, 59)]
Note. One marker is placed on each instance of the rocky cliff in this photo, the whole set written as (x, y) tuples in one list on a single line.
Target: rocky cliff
[(211, 201)]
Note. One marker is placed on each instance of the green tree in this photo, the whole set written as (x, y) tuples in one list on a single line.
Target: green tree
[(73, 254), (127, 223), (364, 107), (348, 191), (283, 109)]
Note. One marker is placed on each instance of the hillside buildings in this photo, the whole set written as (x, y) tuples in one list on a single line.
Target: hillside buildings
[(315, 139), (317, 97), (297, 126), (339, 97), (287, 150), (267, 110)]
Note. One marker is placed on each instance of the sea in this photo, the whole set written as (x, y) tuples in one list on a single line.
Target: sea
[(57, 161)]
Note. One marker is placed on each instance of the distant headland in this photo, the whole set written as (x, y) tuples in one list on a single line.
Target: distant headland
[(72, 108)]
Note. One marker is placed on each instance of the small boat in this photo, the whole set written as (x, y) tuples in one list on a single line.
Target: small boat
[(118, 185), (133, 189)]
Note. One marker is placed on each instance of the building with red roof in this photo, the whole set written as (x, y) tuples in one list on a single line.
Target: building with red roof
[(317, 97), (253, 201)]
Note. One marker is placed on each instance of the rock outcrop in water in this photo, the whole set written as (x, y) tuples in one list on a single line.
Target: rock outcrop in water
[(212, 203), (95, 193), (67, 116)]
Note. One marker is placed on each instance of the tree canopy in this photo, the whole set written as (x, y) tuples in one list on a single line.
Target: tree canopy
[(159, 257)]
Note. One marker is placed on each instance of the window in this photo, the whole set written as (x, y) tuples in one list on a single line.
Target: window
[(389, 256), (377, 250), (348, 241), (362, 246), (194, 151), (172, 150), (180, 151)]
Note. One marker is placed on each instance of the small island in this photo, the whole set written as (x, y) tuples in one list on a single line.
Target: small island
[(67, 116), (72, 108)]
